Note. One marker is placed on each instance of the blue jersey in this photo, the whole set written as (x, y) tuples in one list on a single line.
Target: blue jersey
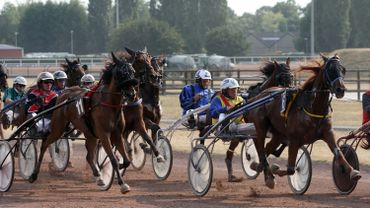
[(187, 94)]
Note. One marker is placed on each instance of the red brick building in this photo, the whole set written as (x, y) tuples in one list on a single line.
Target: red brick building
[(9, 51)]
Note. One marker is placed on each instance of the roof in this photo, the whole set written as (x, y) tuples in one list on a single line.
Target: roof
[(7, 47)]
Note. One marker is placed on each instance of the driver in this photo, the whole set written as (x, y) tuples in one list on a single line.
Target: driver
[(220, 105)]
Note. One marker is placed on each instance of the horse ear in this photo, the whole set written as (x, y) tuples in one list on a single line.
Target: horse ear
[(68, 61), (276, 64), (115, 60), (145, 50), (324, 57), (131, 52), (288, 61), (78, 60)]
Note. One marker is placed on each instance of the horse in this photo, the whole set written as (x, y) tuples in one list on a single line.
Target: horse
[(74, 71), (3, 87), (275, 75), (104, 120), (307, 120), (150, 82)]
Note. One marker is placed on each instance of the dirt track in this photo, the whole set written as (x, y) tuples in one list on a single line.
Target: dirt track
[(76, 188)]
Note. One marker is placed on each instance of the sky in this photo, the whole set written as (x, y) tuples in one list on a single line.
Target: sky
[(239, 6)]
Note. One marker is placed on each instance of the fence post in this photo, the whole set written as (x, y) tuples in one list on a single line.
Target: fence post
[(358, 85)]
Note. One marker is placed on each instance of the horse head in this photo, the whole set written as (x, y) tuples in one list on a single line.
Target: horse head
[(333, 75), (158, 64), (275, 74), (74, 71), (3, 78), (144, 70), (123, 75)]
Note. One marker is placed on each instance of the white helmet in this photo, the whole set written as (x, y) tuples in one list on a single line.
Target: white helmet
[(196, 75), (20, 80), (60, 75), (87, 78), (205, 74), (229, 83), (45, 76)]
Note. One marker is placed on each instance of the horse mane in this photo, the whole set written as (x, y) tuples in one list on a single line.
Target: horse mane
[(314, 68), (267, 69)]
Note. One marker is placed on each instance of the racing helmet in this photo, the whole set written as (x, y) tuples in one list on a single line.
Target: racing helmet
[(20, 80), (60, 75), (205, 74), (87, 78), (229, 83), (45, 76), (196, 76)]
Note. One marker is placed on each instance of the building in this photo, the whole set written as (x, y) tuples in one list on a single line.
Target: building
[(276, 43), (9, 51)]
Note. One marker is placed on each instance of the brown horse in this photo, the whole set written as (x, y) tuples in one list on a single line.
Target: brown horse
[(150, 82), (104, 121), (275, 75), (74, 71), (3, 87), (308, 119)]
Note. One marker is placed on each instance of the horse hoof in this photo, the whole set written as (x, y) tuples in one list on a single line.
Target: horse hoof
[(100, 182), (270, 184), (256, 167), (32, 178), (355, 175), (274, 168), (235, 179), (160, 159), (125, 188)]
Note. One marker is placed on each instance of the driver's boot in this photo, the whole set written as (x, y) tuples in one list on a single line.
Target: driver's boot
[(231, 177)]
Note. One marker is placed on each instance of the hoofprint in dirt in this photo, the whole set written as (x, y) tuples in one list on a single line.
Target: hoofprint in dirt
[(76, 188)]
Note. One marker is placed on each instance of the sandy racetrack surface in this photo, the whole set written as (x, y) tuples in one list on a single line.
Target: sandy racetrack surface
[(76, 188)]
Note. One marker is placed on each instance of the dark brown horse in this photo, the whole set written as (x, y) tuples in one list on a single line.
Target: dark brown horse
[(150, 82), (308, 119), (104, 121), (275, 75), (74, 71), (3, 86)]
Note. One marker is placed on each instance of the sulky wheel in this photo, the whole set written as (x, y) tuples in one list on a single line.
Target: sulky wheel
[(248, 156), (6, 166), (105, 168), (163, 169), (27, 157), (60, 154), (300, 181), (342, 180), (137, 152), (200, 170)]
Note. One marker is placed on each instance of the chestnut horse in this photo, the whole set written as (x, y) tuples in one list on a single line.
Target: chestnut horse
[(3, 87), (307, 120), (104, 121)]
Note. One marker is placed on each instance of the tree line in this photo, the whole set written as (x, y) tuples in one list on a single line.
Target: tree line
[(178, 26)]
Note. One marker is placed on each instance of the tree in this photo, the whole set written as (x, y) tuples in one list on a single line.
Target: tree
[(99, 25), (224, 41), (360, 24), (332, 26), (48, 27), (157, 36), (290, 11), (9, 21)]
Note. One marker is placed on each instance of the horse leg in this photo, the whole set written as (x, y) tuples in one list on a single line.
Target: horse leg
[(54, 135), (142, 131), (229, 162), (259, 143), (292, 157), (153, 127), (330, 141), (105, 141)]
